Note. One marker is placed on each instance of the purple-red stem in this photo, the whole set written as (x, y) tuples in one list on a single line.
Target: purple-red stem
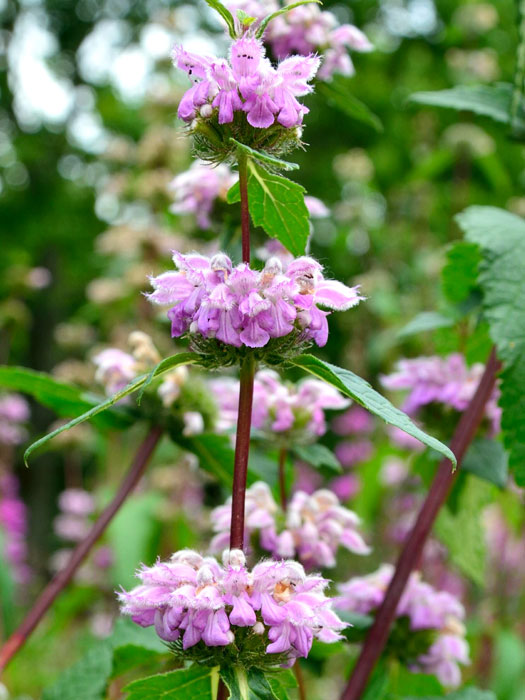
[(60, 581), (245, 211), (413, 548)]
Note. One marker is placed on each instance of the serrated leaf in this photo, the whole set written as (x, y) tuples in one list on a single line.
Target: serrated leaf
[(276, 204), (338, 94), (183, 358), (63, 398), (318, 456), (264, 23), (245, 684), (360, 391), (265, 157), (488, 460), (225, 14), (425, 321), (492, 101), (501, 238), (194, 683), (460, 273), (87, 679), (468, 552)]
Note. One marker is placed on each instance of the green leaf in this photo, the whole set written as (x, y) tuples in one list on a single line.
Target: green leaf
[(265, 157), (245, 684), (360, 391), (468, 693), (318, 456), (183, 358), (492, 101), (194, 683), (468, 551), (488, 460), (264, 23), (414, 685), (460, 273), (360, 624), (133, 534), (276, 204), (134, 646), (65, 399), (281, 682), (215, 453), (225, 14), (245, 19), (425, 321), (7, 590), (87, 679), (130, 656), (501, 238), (338, 94)]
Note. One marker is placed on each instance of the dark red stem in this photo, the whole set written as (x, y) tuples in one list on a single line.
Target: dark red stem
[(242, 451), (413, 546), (60, 581), (245, 212), (282, 476)]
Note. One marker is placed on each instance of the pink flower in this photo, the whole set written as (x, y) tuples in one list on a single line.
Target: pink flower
[(13, 527), (14, 411), (196, 190), (315, 527), (240, 306), (196, 599), (445, 380), (426, 608), (248, 83), (115, 369), (295, 412)]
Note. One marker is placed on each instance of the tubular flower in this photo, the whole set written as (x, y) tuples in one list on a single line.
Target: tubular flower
[(194, 600), (14, 411), (247, 82), (293, 412), (13, 527), (445, 380), (306, 30), (196, 190), (316, 526), (240, 306), (426, 610)]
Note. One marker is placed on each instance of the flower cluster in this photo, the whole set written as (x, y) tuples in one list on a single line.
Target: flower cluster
[(316, 526), (240, 306), (246, 83), (445, 380), (308, 29), (72, 524), (13, 522), (196, 190), (116, 369), (288, 412), (14, 411), (192, 600), (425, 609)]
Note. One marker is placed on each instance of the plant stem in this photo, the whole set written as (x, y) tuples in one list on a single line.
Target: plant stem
[(283, 453), (242, 450), (242, 160), (413, 547), (301, 688), (60, 581)]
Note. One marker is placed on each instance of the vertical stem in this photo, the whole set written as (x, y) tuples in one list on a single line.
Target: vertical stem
[(242, 450), (283, 452), (413, 547), (242, 160), (301, 688), (60, 581)]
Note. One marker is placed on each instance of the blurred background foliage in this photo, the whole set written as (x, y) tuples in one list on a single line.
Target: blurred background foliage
[(89, 140)]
